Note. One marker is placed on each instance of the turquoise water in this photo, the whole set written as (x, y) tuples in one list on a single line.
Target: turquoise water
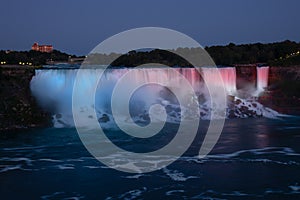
[(255, 158)]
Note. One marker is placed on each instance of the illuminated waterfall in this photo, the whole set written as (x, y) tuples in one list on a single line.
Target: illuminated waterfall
[(228, 75), (53, 88), (262, 78)]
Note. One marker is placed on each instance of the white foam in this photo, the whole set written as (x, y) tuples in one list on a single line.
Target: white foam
[(137, 176), (65, 166), (172, 192), (132, 194), (63, 195), (49, 160), (176, 175), (92, 167), (295, 188), (10, 168)]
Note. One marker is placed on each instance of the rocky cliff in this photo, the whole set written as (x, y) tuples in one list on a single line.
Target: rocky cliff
[(283, 92), (18, 109)]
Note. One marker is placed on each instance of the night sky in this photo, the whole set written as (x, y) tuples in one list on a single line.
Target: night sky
[(77, 26)]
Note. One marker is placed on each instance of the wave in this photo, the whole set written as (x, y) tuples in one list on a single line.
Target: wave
[(63, 195), (175, 175), (271, 155)]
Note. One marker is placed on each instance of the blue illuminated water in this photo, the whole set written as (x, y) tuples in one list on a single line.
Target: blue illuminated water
[(255, 158)]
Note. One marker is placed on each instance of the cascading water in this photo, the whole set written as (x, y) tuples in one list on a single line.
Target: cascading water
[(228, 75), (53, 90), (262, 78)]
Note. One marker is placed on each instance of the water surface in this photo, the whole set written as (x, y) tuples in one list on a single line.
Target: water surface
[(255, 158)]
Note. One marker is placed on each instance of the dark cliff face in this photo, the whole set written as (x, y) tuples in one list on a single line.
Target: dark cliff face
[(283, 92), (18, 109), (246, 76)]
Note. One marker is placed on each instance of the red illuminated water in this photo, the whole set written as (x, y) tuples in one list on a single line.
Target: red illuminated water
[(262, 78)]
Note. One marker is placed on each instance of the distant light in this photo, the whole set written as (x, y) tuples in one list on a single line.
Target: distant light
[(20, 63)]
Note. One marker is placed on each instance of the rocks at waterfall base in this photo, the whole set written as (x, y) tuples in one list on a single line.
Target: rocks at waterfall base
[(244, 108)]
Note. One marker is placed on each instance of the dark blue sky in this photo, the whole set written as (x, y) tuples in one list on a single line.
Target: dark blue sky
[(77, 26)]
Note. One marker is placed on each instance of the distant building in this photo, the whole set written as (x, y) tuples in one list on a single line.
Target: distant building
[(42, 48)]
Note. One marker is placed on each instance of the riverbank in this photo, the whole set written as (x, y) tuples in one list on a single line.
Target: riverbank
[(18, 108)]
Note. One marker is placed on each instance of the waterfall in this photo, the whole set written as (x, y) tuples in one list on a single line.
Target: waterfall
[(262, 78), (228, 75), (53, 88)]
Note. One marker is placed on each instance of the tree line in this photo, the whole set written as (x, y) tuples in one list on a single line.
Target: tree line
[(279, 53), (33, 57), (275, 54)]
